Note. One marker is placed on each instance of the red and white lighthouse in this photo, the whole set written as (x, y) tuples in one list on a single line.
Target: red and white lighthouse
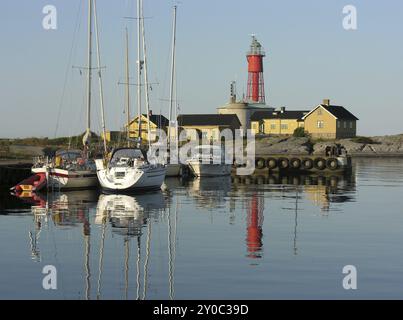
[(255, 57)]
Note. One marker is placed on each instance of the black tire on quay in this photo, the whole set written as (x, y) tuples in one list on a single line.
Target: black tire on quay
[(307, 164), (295, 163), (332, 164), (260, 163), (320, 163), (271, 163), (283, 163)]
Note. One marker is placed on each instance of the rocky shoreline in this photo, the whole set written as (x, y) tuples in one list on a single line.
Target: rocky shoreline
[(383, 146), (380, 146)]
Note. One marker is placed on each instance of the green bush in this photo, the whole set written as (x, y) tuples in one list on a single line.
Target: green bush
[(299, 132)]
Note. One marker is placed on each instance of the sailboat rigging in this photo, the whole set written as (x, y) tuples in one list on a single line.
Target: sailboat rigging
[(71, 169), (129, 168), (173, 169)]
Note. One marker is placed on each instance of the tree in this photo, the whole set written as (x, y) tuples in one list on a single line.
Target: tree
[(299, 132)]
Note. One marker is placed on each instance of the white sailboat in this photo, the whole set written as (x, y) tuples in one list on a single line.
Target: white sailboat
[(128, 168), (72, 169)]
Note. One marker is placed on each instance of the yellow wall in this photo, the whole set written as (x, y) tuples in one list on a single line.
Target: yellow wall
[(280, 126), (134, 128), (332, 128), (276, 126), (207, 132), (107, 135), (255, 127)]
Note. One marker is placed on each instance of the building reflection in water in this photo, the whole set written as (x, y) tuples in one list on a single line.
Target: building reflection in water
[(130, 218), (322, 191)]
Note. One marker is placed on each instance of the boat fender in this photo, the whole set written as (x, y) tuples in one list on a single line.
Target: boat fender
[(271, 163), (283, 163), (260, 163), (332, 164), (320, 163), (295, 163), (307, 163)]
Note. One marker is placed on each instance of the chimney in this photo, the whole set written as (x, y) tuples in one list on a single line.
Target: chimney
[(150, 113), (326, 102), (282, 109)]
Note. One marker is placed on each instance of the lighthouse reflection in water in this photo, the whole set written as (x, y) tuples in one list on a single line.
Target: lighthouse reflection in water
[(192, 239)]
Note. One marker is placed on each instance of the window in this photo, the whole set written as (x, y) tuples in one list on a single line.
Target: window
[(319, 111), (284, 126), (351, 124), (204, 135), (320, 124), (345, 124), (273, 126), (338, 124)]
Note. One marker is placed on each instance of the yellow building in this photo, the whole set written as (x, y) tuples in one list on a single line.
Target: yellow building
[(280, 122), (327, 121), (112, 135), (207, 126), (156, 122)]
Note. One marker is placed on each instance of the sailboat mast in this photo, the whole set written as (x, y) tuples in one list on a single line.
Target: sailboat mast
[(146, 77), (101, 89), (127, 88), (89, 65), (171, 91), (139, 66)]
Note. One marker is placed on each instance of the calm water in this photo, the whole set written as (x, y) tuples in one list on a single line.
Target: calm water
[(263, 238)]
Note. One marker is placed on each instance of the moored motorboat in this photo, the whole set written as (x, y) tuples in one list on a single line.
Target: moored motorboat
[(209, 161)]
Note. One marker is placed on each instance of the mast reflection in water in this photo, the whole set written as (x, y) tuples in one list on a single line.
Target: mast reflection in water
[(193, 239)]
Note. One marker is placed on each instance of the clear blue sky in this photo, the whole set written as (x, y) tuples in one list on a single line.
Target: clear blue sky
[(310, 57)]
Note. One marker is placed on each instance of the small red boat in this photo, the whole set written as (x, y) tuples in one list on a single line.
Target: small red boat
[(31, 184)]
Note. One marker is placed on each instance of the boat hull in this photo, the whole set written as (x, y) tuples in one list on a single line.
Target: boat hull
[(210, 170), (66, 180), (174, 170), (129, 178)]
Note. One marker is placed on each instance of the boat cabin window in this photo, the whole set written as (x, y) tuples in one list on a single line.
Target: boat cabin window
[(127, 153), (69, 155)]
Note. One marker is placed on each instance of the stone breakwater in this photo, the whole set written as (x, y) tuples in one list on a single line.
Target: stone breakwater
[(366, 147)]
